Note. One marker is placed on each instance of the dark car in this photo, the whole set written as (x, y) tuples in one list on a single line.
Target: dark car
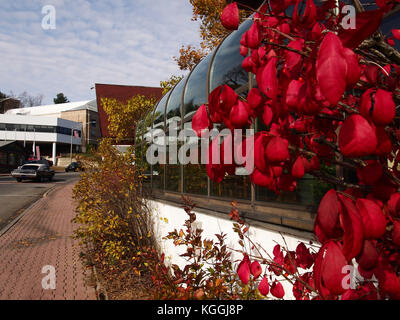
[(33, 171), (74, 166)]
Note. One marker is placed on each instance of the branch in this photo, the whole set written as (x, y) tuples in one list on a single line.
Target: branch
[(287, 48)]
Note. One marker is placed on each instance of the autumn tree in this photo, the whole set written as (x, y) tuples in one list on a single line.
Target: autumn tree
[(170, 83), (212, 32), (123, 116)]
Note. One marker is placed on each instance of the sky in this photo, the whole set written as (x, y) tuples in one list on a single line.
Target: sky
[(129, 42)]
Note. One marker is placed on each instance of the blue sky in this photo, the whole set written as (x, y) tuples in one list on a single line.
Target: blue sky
[(128, 42)]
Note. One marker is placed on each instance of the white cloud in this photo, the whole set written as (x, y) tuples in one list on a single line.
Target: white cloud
[(108, 41)]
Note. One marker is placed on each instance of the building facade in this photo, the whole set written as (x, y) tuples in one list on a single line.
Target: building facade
[(49, 136)]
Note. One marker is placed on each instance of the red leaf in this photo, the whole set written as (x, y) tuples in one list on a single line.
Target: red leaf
[(201, 121), (309, 15), (262, 179), (393, 205), (379, 106), (263, 287), (298, 169), (293, 60), (332, 269), (368, 258), (357, 138), (230, 16), (352, 225), (260, 141), (254, 36), (384, 143), (374, 221), (244, 271), (239, 115), (267, 79), (227, 99), (353, 67), (277, 150), (331, 68), (296, 95), (367, 23), (396, 233), (215, 170), (396, 33), (370, 173), (328, 213), (267, 115), (255, 98), (255, 269), (277, 290)]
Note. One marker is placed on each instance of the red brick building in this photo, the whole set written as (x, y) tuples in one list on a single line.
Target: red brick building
[(121, 93)]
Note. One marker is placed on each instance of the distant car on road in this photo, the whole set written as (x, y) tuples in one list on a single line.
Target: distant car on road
[(42, 161), (33, 171), (74, 166)]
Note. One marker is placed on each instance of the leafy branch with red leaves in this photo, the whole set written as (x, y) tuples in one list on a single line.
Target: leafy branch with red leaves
[(326, 95)]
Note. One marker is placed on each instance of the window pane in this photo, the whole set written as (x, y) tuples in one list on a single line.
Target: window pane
[(195, 179), (173, 111), (196, 88), (227, 64), (158, 129), (233, 187), (159, 113)]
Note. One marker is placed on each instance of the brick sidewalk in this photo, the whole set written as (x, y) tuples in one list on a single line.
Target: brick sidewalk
[(40, 238)]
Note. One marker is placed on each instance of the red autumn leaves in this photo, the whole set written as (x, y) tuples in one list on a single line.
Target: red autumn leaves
[(319, 99), (350, 230), (251, 273)]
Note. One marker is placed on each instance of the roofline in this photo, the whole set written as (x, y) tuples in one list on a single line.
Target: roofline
[(126, 85)]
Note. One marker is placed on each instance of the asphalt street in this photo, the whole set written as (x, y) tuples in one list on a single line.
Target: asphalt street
[(15, 197)]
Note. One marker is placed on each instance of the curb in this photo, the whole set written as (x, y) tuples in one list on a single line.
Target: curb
[(101, 292)]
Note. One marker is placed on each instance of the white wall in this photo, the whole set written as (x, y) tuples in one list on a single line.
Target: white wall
[(214, 225)]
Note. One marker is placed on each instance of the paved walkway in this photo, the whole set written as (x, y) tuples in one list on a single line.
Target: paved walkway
[(42, 238)]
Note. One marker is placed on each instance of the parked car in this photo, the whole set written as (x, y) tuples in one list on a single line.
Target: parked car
[(33, 171), (42, 161), (74, 166)]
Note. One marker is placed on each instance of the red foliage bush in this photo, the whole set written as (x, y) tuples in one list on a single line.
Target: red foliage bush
[(327, 96)]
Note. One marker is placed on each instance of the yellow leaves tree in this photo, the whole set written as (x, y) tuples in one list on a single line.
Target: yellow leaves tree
[(123, 117), (170, 83)]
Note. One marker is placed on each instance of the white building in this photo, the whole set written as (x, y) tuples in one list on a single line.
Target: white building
[(57, 129), (49, 133)]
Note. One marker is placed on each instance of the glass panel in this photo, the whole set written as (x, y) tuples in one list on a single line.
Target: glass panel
[(173, 111), (390, 23), (195, 179), (227, 64), (173, 116), (232, 187), (159, 113), (309, 192), (196, 88), (158, 129)]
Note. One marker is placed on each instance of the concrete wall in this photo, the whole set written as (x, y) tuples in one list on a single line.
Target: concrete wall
[(214, 225)]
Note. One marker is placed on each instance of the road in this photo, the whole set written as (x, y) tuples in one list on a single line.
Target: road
[(15, 197)]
